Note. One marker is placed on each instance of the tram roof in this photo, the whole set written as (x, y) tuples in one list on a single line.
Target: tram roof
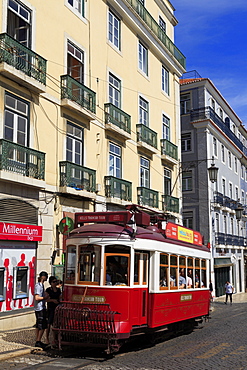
[(120, 232)]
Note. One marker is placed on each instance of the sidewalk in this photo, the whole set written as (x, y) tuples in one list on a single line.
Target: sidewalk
[(15, 343)]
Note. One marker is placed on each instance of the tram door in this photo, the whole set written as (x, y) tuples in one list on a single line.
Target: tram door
[(140, 292)]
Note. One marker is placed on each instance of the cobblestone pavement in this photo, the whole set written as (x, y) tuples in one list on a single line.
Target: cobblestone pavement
[(221, 343)]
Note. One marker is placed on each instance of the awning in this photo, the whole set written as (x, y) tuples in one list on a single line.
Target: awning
[(222, 262)]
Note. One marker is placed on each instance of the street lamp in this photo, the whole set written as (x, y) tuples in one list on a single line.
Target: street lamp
[(213, 172), (239, 212)]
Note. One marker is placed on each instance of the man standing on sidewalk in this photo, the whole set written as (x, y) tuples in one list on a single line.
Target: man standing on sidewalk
[(40, 297), (229, 290)]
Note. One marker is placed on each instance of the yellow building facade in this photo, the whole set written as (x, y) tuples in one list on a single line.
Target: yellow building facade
[(90, 121)]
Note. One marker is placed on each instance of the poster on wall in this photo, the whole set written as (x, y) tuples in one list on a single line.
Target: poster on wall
[(17, 278)]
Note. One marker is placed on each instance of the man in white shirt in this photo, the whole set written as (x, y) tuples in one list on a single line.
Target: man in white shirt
[(40, 297), (229, 290)]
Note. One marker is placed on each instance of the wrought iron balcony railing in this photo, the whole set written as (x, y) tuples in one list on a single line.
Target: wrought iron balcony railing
[(77, 92), (147, 197), (209, 113), (225, 201), (118, 188), (157, 30), (22, 160), (77, 177), (168, 148), (170, 203), (22, 58), (228, 239), (146, 135), (117, 117)]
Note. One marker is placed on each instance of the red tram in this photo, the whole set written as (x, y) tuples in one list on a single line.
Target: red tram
[(130, 272)]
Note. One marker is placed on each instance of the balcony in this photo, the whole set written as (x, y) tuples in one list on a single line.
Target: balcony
[(208, 113), (228, 239), (146, 138), (19, 63), (77, 97), (21, 162), (157, 30), (74, 178), (147, 197), (169, 152), (223, 201), (118, 188), (117, 121), (170, 204)]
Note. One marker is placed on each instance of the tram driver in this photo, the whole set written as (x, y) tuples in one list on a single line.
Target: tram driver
[(115, 274)]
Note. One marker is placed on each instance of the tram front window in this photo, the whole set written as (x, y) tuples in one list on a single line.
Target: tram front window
[(89, 264), (70, 264), (117, 267)]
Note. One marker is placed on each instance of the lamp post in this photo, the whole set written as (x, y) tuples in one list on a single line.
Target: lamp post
[(213, 175)]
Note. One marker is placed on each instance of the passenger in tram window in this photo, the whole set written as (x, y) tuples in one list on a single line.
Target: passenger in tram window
[(182, 281), (115, 271), (190, 275), (189, 282), (197, 280)]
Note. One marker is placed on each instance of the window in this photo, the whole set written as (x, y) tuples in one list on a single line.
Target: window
[(144, 172), (222, 153), (224, 187), (188, 220), (16, 119), (229, 159), (242, 171), (19, 23), (70, 264), (89, 264), (173, 272), (75, 63), (232, 228), (162, 24), (114, 30), (236, 193), (74, 144), (167, 181), (114, 90), (230, 190), (143, 58), (236, 164), (213, 104), (185, 103), (77, 5), (221, 113), (115, 160), (20, 282), (141, 268), (225, 224), (186, 142), (215, 146), (242, 197), (166, 127), (217, 223), (143, 112), (117, 269), (187, 181), (165, 80), (164, 271)]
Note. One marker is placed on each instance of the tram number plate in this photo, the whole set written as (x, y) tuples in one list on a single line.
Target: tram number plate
[(88, 298), (186, 297)]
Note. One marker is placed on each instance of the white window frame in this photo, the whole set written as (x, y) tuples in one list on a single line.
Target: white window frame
[(143, 58), (114, 90), (115, 160), (144, 172), (78, 6), (187, 180), (143, 111), (75, 140), (186, 142), (165, 127), (185, 103), (165, 80), (114, 30)]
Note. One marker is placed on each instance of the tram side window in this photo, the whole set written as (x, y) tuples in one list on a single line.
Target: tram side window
[(190, 279), (89, 264), (182, 273), (70, 264), (2, 269), (117, 269), (203, 274), (141, 268), (173, 272), (197, 273), (164, 271)]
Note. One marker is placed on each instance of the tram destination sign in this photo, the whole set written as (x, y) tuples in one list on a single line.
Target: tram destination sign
[(104, 217), (9, 231), (181, 233)]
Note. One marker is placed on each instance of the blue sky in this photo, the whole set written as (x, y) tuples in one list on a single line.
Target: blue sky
[(212, 34)]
